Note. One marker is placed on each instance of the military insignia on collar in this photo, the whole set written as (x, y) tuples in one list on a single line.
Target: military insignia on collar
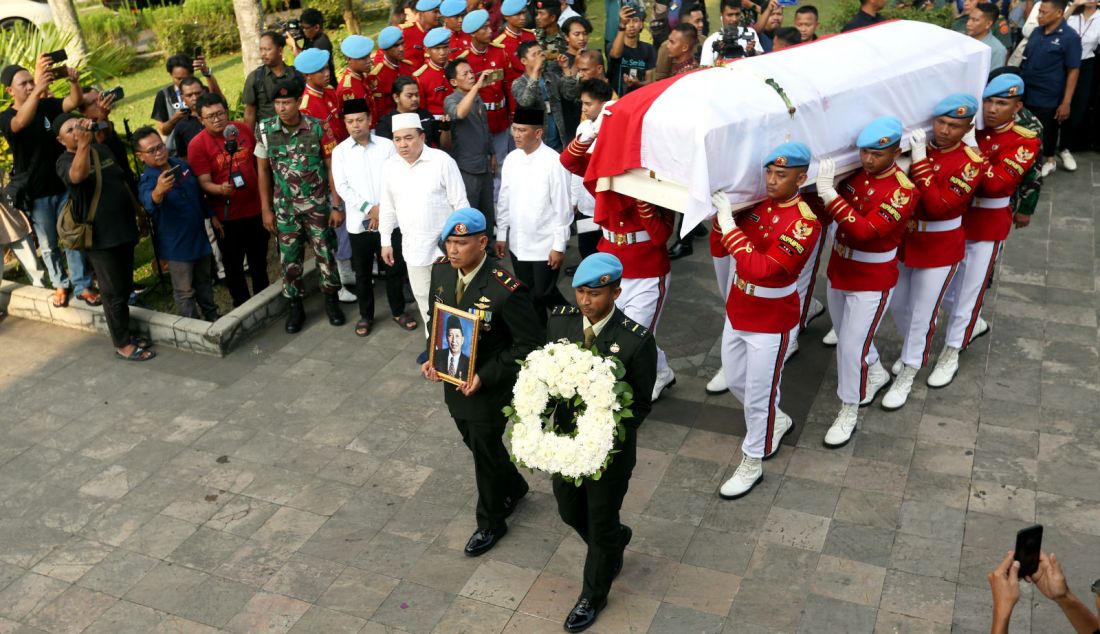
[(780, 161), (1013, 90), (460, 229), (604, 279), (960, 111), (884, 140), (614, 348)]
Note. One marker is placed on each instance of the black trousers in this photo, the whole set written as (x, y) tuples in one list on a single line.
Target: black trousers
[(592, 509), (1075, 133), (588, 242), (244, 238), (499, 483), (543, 282), (114, 268), (1051, 126), (365, 248), (479, 192)]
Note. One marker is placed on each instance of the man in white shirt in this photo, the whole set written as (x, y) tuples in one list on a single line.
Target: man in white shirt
[(566, 12), (533, 211), (357, 175), (731, 19), (421, 187)]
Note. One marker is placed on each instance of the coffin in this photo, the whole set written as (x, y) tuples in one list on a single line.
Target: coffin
[(674, 142)]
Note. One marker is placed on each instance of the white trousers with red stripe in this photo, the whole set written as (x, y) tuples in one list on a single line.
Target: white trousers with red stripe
[(807, 280), (643, 299), (856, 317), (753, 365), (915, 307), (967, 291)]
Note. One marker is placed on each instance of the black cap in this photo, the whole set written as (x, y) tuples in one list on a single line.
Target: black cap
[(356, 106), (59, 120), (288, 88), (7, 76), (529, 116)]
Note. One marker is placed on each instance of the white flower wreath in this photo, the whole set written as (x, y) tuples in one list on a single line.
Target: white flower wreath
[(563, 373)]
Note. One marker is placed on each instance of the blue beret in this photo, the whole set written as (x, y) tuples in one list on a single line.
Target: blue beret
[(598, 269), (311, 60), (1007, 85), (427, 5), (957, 106), (451, 8), (463, 222), (880, 133), (438, 36), (790, 154), (356, 46), (389, 36), (474, 20), (512, 7)]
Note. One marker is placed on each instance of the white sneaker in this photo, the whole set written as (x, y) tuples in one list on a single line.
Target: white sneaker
[(829, 339), (783, 426), (1048, 168), (1068, 161), (877, 378), (749, 474), (899, 392), (843, 427), (665, 378), (947, 366), (345, 296), (817, 309), (792, 349), (717, 383), (896, 368), (981, 327)]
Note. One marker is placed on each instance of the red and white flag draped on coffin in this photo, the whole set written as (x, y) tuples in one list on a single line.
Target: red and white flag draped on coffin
[(674, 142)]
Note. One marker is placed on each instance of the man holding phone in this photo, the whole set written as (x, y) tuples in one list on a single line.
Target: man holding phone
[(632, 60), (472, 144)]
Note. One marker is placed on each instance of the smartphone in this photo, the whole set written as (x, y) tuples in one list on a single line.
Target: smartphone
[(197, 52), (58, 56), (497, 74), (1029, 541), (117, 92), (176, 171)]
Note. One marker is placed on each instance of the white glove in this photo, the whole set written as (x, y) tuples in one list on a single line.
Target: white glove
[(725, 212), (971, 138), (599, 118), (918, 145), (826, 173), (586, 131)]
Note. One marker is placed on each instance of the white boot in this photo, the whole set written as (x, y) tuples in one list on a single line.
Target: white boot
[(783, 426), (877, 378), (896, 368), (665, 378), (749, 474), (899, 392), (843, 427), (981, 328), (1068, 161), (817, 309), (792, 349), (947, 366), (829, 339), (717, 383)]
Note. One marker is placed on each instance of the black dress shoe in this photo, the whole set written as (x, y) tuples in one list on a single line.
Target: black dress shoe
[(296, 316), (570, 270), (626, 542), (583, 615), (333, 310), (512, 501), (483, 540), (680, 250)]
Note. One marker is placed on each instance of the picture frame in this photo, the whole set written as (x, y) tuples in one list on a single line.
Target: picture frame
[(452, 326)]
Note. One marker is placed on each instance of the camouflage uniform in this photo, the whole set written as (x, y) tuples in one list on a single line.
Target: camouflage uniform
[(1026, 198), (301, 199), (551, 41)]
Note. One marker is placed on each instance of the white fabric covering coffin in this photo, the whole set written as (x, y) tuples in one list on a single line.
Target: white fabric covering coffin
[(712, 129)]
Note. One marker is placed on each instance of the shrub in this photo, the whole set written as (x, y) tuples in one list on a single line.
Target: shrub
[(845, 9), (333, 10), (210, 24), (103, 25)]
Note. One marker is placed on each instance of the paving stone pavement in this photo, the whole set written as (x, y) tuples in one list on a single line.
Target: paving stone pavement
[(314, 483)]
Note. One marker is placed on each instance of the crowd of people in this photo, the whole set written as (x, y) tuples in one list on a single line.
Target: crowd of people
[(463, 133)]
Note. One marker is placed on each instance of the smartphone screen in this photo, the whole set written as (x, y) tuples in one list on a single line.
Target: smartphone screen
[(175, 171), (1029, 541), (58, 56)]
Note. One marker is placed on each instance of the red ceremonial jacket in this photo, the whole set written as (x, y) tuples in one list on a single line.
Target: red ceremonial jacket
[(493, 57), (515, 68), (327, 108), (434, 87), (946, 181), (871, 213), (1010, 151), (641, 259), (381, 84), (413, 36), (817, 206)]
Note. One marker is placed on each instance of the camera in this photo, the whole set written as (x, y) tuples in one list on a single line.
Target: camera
[(182, 107), (97, 126), (733, 43), (293, 26), (117, 92), (443, 125)]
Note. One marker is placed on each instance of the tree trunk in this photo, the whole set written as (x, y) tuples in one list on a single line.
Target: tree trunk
[(350, 20), (64, 16), (250, 24)]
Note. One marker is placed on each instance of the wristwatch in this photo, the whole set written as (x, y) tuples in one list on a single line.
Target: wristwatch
[(1096, 587)]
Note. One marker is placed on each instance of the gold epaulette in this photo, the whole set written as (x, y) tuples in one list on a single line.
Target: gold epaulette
[(496, 45), (807, 213), (417, 72), (461, 55), (506, 279), (974, 154), (1027, 133), (440, 260), (405, 61), (500, 38), (903, 180), (377, 69)]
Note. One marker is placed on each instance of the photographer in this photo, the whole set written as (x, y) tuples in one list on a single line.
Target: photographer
[(312, 31), (96, 107), (259, 86), (101, 198), (471, 145), (226, 168), (548, 32), (406, 96), (1050, 580), (733, 41), (168, 110), (632, 61), (34, 185), (545, 92), (170, 194), (190, 89)]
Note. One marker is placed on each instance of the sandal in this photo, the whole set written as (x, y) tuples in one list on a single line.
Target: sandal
[(139, 354), (91, 298), (406, 321), (60, 298), (141, 342), (362, 328)]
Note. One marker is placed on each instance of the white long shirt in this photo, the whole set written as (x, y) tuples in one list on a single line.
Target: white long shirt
[(417, 198), (357, 175), (1089, 30), (533, 209)]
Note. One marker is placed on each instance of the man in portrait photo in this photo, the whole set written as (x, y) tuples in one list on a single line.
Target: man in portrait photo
[(449, 359)]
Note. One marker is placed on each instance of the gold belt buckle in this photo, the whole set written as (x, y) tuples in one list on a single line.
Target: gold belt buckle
[(841, 250), (620, 239), (748, 289)]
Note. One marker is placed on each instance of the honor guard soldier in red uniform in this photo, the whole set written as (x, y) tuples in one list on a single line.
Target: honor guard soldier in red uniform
[(514, 34), (946, 174), (871, 212), (353, 82), (413, 31), (635, 233), (319, 101), (483, 55), (453, 11), (430, 77), (770, 245), (393, 65), (1010, 151)]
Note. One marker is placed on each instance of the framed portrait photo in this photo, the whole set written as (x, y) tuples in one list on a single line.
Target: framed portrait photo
[(454, 343)]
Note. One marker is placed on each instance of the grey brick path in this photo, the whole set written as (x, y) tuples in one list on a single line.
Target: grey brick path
[(315, 484)]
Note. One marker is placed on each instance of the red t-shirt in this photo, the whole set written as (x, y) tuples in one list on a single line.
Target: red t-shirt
[(207, 155)]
